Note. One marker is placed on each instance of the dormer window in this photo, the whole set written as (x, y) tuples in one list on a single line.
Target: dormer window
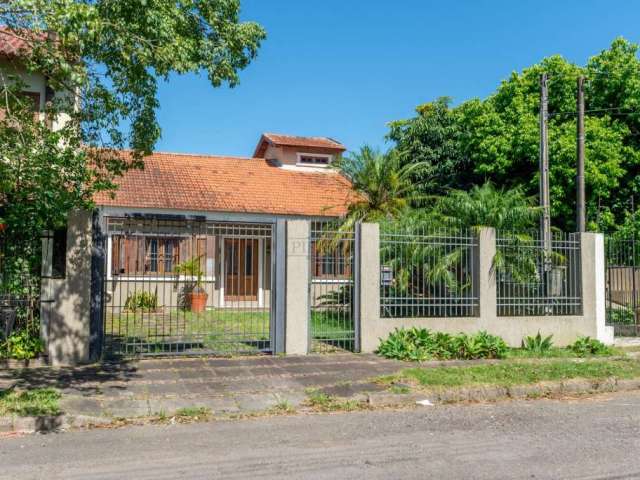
[(314, 159)]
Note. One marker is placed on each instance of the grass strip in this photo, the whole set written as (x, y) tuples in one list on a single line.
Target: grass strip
[(40, 401), (517, 373)]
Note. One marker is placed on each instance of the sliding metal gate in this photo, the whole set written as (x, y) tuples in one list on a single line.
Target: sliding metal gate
[(623, 286), (333, 314), (187, 286)]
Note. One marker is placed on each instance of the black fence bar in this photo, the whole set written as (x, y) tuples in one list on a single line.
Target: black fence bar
[(622, 285), (428, 273), (332, 325), (187, 286), (534, 282)]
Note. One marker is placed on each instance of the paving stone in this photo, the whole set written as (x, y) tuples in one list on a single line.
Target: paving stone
[(351, 389), (126, 408), (81, 405), (295, 399), (256, 402), (220, 404)]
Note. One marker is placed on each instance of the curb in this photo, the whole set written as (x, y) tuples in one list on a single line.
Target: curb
[(48, 423), (53, 423), (496, 393)]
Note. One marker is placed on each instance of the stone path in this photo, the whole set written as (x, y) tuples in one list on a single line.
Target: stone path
[(236, 385)]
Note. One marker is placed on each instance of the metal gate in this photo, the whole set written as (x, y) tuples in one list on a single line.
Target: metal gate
[(333, 315), (622, 279), (174, 285)]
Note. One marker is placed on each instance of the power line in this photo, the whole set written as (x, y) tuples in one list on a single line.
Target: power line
[(599, 110)]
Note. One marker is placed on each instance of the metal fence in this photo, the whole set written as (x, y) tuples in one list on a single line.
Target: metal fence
[(532, 280), (185, 286), (622, 277), (19, 290), (332, 299), (428, 273)]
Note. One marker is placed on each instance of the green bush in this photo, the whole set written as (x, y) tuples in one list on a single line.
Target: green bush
[(620, 316), (22, 345), (537, 345), (585, 346), (419, 344), (141, 301)]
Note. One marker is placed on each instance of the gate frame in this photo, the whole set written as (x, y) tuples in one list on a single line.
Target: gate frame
[(101, 257), (355, 281)]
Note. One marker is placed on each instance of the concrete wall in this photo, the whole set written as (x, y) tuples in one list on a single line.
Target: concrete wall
[(565, 329), (66, 302), (297, 288)]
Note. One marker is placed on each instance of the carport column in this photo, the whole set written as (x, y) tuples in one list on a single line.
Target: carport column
[(369, 287), (487, 290), (592, 263), (297, 288)]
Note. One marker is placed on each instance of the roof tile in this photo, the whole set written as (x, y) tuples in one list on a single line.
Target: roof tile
[(230, 184)]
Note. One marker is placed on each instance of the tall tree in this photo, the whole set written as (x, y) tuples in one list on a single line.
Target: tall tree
[(434, 137), (497, 138), (104, 59)]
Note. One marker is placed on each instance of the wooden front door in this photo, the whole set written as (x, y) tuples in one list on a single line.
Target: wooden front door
[(241, 268)]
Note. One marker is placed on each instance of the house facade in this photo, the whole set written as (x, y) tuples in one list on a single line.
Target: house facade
[(183, 256), (220, 210)]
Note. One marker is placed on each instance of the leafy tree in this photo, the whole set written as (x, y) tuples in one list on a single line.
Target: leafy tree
[(104, 59), (435, 137), (497, 138)]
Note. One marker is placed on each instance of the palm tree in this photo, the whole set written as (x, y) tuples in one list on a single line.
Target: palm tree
[(383, 186), (488, 206)]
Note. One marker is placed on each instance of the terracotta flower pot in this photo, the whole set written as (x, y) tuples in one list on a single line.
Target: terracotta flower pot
[(197, 301)]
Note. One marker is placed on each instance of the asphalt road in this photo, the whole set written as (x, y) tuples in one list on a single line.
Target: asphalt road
[(592, 438)]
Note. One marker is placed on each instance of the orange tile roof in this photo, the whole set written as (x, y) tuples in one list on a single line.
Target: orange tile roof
[(230, 184), (13, 43), (294, 141)]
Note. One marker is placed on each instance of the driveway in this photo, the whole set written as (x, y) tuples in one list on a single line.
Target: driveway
[(593, 438)]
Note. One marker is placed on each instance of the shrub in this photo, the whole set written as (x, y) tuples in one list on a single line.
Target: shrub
[(141, 301), (620, 316), (23, 344), (585, 346), (537, 344), (419, 344)]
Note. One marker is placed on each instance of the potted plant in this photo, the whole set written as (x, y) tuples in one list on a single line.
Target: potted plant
[(197, 296)]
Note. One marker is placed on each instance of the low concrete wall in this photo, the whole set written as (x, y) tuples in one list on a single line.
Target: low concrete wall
[(565, 329)]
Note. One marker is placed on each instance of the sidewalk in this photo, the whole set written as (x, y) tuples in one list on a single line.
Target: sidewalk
[(225, 386)]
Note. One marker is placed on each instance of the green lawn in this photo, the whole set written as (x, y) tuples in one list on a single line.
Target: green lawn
[(219, 322), (222, 330), (517, 373), (40, 401)]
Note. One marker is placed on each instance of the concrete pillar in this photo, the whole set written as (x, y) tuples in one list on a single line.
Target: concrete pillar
[(594, 286), (297, 288), (66, 302), (369, 287), (487, 288)]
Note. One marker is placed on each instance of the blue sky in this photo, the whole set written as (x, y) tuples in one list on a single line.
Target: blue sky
[(344, 68)]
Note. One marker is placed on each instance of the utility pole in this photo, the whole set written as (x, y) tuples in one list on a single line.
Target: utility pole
[(580, 206), (545, 222)]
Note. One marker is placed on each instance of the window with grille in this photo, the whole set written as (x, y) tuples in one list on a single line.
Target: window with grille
[(155, 255)]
